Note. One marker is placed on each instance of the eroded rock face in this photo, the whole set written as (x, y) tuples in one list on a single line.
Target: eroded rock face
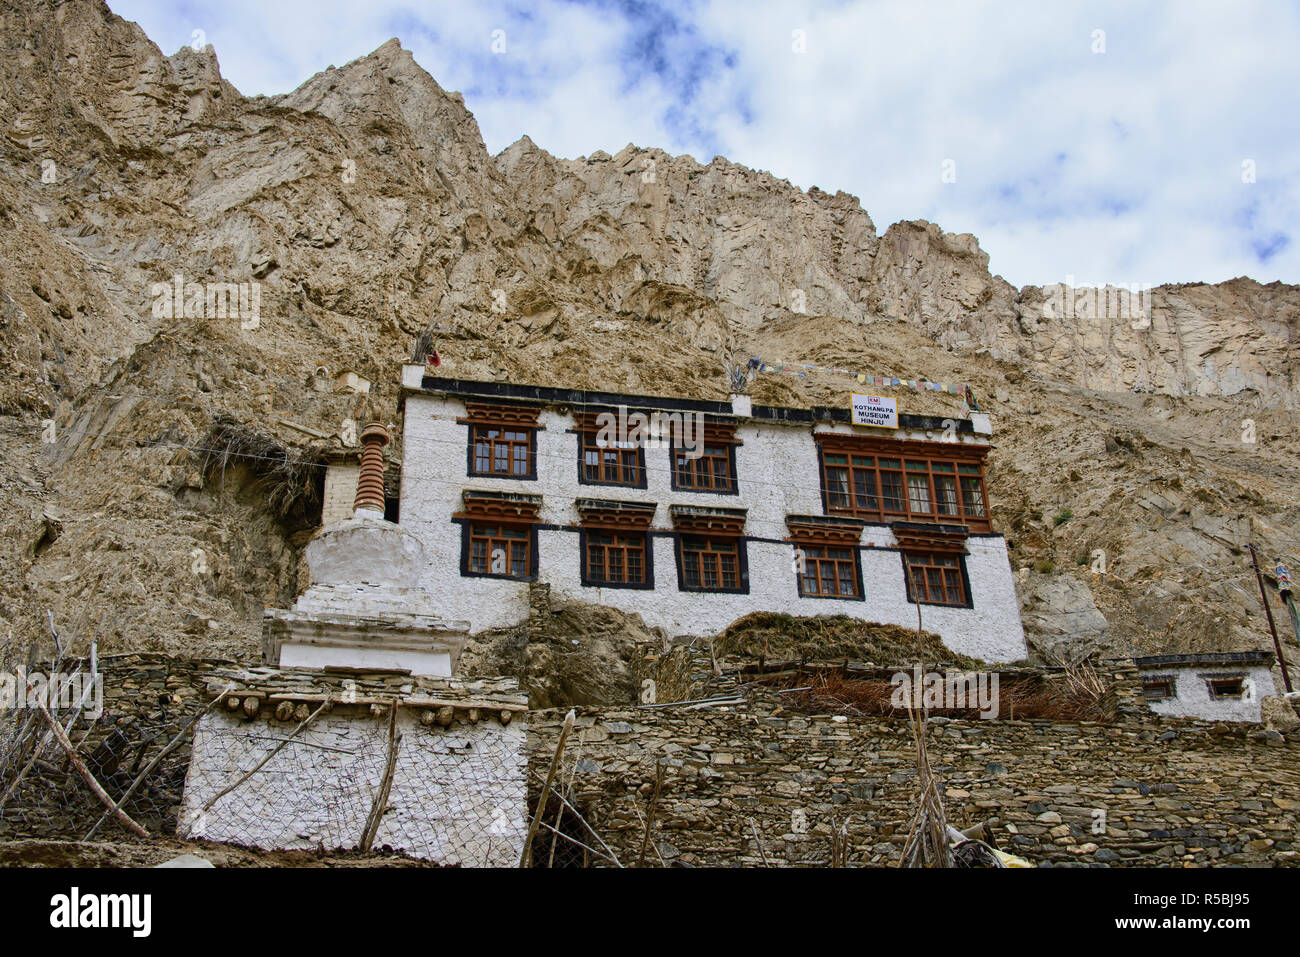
[(366, 206)]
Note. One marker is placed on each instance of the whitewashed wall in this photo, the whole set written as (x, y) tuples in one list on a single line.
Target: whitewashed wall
[(777, 466), (457, 796), (1192, 695)]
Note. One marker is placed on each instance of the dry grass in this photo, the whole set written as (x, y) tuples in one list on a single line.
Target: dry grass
[(289, 483), (772, 635), (1077, 694)]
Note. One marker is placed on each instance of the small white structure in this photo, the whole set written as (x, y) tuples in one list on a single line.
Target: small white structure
[(783, 510), (357, 735), (365, 607), (1220, 686)]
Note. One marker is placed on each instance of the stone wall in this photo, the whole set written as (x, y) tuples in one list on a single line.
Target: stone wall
[(1143, 790)]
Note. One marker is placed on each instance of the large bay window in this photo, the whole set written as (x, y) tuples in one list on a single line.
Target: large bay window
[(884, 480)]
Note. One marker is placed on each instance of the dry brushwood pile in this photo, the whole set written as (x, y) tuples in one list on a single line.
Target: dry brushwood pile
[(1075, 693), (772, 636)]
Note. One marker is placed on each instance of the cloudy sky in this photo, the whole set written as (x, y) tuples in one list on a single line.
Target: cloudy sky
[(1124, 141)]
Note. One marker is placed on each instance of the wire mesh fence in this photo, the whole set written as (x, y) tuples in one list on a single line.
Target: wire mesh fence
[(353, 780), (67, 759)]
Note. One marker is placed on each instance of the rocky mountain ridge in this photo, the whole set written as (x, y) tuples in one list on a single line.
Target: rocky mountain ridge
[(367, 207)]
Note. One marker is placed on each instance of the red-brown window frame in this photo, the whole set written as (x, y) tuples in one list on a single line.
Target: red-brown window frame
[(623, 543), (818, 554), (960, 457), (632, 458), (523, 540), (709, 551), (627, 525), (699, 474), (950, 576), (519, 422)]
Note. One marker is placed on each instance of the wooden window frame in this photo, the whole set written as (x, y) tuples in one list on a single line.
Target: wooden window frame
[(863, 474), (477, 530), (955, 572), (696, 470), (629, 521), (1162, 681), (625, 542), (489, 509), (483, 417), (1213, 681), (587, 443), (711, 549), (717, 444), (528, 442), (819, 554)]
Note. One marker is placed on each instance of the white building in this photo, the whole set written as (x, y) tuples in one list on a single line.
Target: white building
[(773, 509), (1218, 686)]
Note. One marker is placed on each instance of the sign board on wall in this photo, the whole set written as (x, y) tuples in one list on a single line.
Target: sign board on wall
[(878, 410)]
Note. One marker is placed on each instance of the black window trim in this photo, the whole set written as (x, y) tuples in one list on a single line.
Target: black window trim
[(533, 556), (731, 465), (856, 550), (742, 564), (532, 431), (965, 579), (587, 582)]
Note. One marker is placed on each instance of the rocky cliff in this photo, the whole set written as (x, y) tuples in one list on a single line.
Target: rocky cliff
[(161, 459)]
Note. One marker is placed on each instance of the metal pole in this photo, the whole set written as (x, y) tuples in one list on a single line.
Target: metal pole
[(1277, 645)]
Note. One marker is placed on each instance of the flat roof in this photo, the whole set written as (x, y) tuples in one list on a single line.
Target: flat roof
[(509, 391), (1206, 658)]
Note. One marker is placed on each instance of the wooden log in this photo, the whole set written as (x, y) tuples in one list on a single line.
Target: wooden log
[(284, 710), (380, 804), (426, 717), (86, 776), (233, 704), (171, 746), (526, 857), (506, 716), (445, 715), (251, 706)]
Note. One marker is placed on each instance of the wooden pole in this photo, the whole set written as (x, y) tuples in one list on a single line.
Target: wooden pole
[(525, 858), (650, 815), (1268, 611), (385, 785), (86, 776)]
